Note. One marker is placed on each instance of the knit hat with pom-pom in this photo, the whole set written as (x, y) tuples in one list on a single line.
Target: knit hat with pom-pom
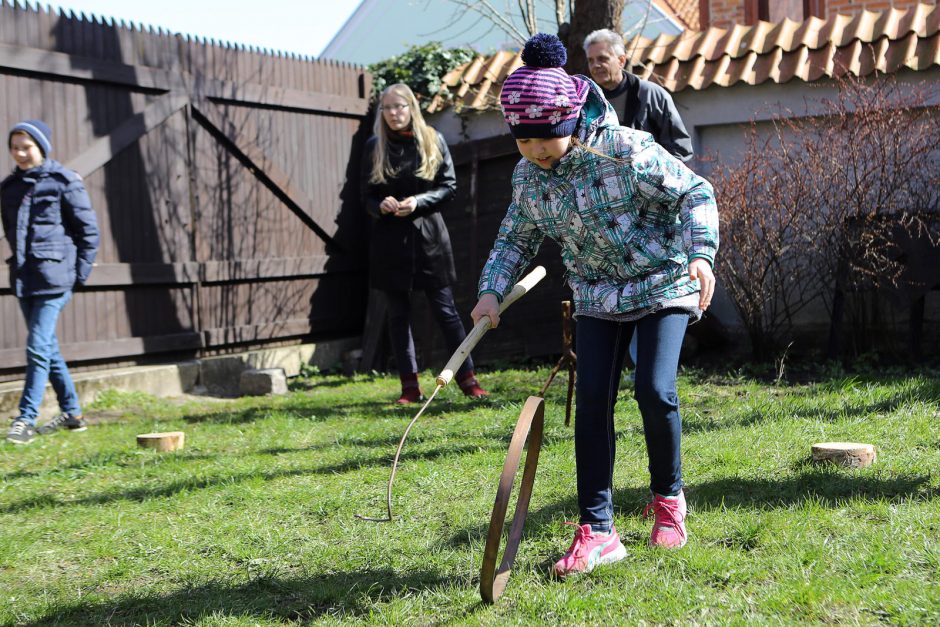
[(540, 99)]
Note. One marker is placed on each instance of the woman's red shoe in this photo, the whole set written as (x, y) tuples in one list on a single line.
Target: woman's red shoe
[(471, 387)]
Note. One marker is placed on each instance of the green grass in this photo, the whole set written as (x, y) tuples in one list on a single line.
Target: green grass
[(253, 522)]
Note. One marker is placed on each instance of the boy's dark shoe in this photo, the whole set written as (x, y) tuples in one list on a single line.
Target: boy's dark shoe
[(21, 432), (63, 421)]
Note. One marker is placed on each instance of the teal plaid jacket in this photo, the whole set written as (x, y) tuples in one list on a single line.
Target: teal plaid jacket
[(627, 225)]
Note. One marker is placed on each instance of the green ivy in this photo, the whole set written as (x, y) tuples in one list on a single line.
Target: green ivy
[(419, 67)]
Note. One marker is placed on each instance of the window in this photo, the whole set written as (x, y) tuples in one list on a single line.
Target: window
[(777, 10)]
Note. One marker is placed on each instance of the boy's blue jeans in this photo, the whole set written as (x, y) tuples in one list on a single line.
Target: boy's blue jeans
[(43, 360), (601, 347)]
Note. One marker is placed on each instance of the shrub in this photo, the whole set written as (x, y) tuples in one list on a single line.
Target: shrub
[(818, 207), (421, 68)]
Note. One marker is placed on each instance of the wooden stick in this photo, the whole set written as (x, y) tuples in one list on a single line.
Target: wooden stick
[(523, 286), (391, 478), (481, 327)]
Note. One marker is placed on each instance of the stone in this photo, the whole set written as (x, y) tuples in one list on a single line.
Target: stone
[(263, 382)]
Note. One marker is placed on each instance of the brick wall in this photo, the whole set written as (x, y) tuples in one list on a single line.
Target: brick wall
[(726, 13), (852, 7)]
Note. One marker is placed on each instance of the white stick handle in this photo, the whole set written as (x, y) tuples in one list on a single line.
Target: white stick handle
[(483, 325)]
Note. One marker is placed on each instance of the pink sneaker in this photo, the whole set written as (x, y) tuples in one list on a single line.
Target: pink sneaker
[(669, 521), (588, 550)]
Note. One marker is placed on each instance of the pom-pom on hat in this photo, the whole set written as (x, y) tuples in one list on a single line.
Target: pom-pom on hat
[(38, 130), (540, 99)]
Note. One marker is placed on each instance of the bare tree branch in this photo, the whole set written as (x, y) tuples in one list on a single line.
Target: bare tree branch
[(639, 32), (826, 208), (487, 10), (561, 11)]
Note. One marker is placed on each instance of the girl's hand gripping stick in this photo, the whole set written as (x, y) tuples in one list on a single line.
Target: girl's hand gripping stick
[(483, 325)]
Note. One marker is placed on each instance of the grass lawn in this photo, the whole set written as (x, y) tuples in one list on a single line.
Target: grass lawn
[(253, 522)]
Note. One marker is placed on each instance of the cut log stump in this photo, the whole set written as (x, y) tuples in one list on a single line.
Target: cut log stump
[(848, 454), (166, 441)]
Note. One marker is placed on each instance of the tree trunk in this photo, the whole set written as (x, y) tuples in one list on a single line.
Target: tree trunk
[(587, 16)]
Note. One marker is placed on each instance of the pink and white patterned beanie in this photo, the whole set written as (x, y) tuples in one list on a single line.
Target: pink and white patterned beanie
[(540, 99)]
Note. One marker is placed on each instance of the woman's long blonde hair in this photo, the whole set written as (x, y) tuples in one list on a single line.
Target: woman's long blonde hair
[(429, 152)]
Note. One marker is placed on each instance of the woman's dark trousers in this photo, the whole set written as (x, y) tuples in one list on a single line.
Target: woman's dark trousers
[(445, 313)]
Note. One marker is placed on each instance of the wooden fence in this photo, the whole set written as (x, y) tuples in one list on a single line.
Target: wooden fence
[(224, 180)]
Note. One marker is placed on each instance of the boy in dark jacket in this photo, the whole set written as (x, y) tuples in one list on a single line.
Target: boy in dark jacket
[(50, 225)]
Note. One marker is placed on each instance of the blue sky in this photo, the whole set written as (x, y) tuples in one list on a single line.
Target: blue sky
[(300, 26)]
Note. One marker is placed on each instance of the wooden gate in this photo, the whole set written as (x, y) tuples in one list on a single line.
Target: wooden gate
[(224, 180)]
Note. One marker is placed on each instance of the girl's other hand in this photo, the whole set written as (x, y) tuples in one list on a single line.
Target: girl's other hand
[(701, 270), (406, 207), (487, 306), (388, 205)]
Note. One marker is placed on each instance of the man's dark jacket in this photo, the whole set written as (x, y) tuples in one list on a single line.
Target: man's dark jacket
[(51, 227), (646, 106), (413, 252)]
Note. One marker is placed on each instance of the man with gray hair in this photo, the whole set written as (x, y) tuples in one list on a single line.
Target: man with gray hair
[(639, 104)]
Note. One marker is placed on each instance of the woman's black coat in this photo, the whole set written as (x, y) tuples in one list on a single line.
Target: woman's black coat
[(413, 252)]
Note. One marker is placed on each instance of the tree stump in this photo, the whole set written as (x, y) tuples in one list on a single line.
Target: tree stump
[(848, 454), (166, 441)]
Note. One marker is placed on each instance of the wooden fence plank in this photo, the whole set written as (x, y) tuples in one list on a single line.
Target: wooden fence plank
[(117, 98), (248, 269), (265, 168), (74, 66), (128, 132), (106, 349)]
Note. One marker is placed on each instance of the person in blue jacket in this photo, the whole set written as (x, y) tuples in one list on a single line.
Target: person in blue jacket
[(51, 227)]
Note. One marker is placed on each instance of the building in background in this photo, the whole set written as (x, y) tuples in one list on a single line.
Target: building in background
[(380, 29), (722, 81), (703, 14)]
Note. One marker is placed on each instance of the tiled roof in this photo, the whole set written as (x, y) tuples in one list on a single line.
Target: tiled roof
[(884, 41), (684, 11), (476, 85)]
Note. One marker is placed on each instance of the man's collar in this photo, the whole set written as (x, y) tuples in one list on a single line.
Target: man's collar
[(619, 89)]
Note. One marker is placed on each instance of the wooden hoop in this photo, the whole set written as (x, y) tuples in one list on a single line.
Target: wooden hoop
[(530, 425)]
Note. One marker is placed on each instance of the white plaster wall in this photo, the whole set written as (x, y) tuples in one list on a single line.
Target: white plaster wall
[(718, 117), (471, 126)]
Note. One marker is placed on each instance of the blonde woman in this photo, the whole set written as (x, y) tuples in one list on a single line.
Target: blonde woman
[(407, 178)]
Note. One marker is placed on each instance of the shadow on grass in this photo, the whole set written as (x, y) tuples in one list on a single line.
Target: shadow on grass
[(202, 483), (306, 410), (311, 383), (703, 423), (106, 459), (319, 412), (830, 488), (702, 420), (389, 442), (923, 394), (302, 599)]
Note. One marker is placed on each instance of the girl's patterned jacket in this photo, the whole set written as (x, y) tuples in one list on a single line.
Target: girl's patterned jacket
[(627, 226)]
